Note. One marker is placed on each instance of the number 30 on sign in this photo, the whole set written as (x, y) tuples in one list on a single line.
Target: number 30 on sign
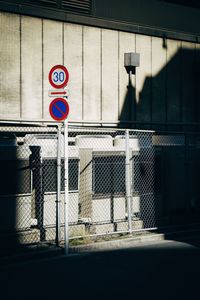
[(58, 76)]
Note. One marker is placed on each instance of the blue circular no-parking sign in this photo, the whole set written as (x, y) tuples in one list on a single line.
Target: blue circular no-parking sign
[(59, 109)]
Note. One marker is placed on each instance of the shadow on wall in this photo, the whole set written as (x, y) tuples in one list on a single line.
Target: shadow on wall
[(129, 108), (171, 96)]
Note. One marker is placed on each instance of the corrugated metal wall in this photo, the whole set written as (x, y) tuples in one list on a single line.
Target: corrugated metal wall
[(165, 88)]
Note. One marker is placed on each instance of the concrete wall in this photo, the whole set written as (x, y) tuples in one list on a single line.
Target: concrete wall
[(165, 88)]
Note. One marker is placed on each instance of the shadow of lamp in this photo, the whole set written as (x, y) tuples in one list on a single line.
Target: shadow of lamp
[(131, 61)]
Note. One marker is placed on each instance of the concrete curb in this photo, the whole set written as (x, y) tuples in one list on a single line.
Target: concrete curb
[(117, 244), (133, 241)]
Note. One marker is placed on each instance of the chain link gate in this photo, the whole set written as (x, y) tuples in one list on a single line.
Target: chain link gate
[(111, 183)]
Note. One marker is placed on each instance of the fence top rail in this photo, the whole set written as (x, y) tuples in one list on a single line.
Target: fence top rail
[(73, 128), (95, 126), (94, 122)]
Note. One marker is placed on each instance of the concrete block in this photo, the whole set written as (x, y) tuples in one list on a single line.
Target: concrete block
[(29, 237), (101, 210), (123, 226), (119, 208), (50, 208), (102, 228)]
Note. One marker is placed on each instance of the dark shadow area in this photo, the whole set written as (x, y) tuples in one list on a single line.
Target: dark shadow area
[(15, 190), (167, 270), (168, 170), (23, 180), (190, 3), (11, 179)]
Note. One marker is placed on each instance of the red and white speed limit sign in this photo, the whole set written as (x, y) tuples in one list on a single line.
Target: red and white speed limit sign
[(58, 76)]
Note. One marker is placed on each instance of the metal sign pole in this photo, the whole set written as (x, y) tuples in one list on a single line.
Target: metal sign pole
[(66, 208), (58, 187), (128, 182), (59, 110)]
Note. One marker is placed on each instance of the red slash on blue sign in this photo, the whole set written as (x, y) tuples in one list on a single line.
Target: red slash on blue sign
[(59, 109)]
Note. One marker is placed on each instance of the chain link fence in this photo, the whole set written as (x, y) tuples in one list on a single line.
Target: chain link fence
[(28, 184), (119, 181)]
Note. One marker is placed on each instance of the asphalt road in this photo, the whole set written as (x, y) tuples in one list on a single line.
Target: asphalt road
[(164, 270)]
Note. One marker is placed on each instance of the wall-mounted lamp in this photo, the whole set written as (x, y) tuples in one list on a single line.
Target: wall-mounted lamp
[(131, 61)]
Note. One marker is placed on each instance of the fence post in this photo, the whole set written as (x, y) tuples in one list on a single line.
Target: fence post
[(128, 182), (58, 187), (66, 208)]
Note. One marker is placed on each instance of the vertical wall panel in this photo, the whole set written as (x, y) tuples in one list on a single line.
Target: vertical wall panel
[(143, 79), (9, 66), (126, 105), (52, 55), (188, 81), (31, 47), (91, 73), (158, 80), (173, 81), (73, 62), (109, 75)]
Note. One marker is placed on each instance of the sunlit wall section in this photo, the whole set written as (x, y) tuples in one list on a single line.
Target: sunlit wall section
[(91, 73), (109, 76), (73, 59), (9, 65), (52, 55), (31, 67)]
